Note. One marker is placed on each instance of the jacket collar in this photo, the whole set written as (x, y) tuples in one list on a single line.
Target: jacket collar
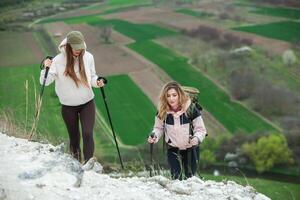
[(183, 109)]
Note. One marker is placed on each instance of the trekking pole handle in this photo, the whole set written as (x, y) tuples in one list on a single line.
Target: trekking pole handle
[(42, 66), (102, 89), (152, 135), (105, 81)]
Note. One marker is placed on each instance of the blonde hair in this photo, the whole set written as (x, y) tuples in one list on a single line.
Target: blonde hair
[(69, 71), (163, 105)]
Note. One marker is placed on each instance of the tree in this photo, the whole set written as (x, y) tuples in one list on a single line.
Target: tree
[(268, 151), (242, 83)]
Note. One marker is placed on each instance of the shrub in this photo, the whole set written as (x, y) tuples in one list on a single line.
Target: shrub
[(268, 151), (204, 32), (288, 57), (209, 149), (224, 16), (233, 144), (207, 157), (223, 40)]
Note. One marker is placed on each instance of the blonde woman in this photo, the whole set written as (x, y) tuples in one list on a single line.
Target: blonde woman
[(73, 71), (183, 133)]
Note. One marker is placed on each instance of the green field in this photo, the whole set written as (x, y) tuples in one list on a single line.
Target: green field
[(127, 2), (273, 189), (232, 115), (73, 20), (138, 32), (287, 31), (290, 13), (124, 8), (131, 110)]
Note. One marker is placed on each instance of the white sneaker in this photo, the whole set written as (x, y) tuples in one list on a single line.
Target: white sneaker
[(98, 168), (89, 164)]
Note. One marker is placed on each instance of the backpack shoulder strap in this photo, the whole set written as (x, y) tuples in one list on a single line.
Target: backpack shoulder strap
[(192, 112), (189, 114)]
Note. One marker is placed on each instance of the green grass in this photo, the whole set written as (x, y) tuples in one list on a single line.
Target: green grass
[(287, 31), (197, 14), (290, 13), (127, 2), (125, 8), (232, 115), (138, 32), (272, 189), (131, 110), (13, 98), (74, 20)]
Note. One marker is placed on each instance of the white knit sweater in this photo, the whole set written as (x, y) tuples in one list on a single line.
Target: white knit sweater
[(67, 91)]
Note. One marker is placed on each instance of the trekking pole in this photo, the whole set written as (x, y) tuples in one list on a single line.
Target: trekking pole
[(151, 155), (193, 151), (111, 125), (45, 75), (39, 101)]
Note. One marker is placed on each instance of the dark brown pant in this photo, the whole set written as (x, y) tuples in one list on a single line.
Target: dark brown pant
[(86, 115)]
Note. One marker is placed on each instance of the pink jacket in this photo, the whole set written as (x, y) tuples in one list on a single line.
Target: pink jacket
[(176, 127)]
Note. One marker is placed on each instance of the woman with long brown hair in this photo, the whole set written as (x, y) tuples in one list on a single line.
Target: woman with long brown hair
[(73, 71), (183, 127)]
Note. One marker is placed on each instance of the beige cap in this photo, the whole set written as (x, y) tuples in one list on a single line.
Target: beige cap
[(76, 40)]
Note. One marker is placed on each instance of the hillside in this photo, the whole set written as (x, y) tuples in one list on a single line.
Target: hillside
[(243, 57)]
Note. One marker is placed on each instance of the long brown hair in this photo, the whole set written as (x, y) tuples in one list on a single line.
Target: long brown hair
[(70, 67), (163, 105)]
